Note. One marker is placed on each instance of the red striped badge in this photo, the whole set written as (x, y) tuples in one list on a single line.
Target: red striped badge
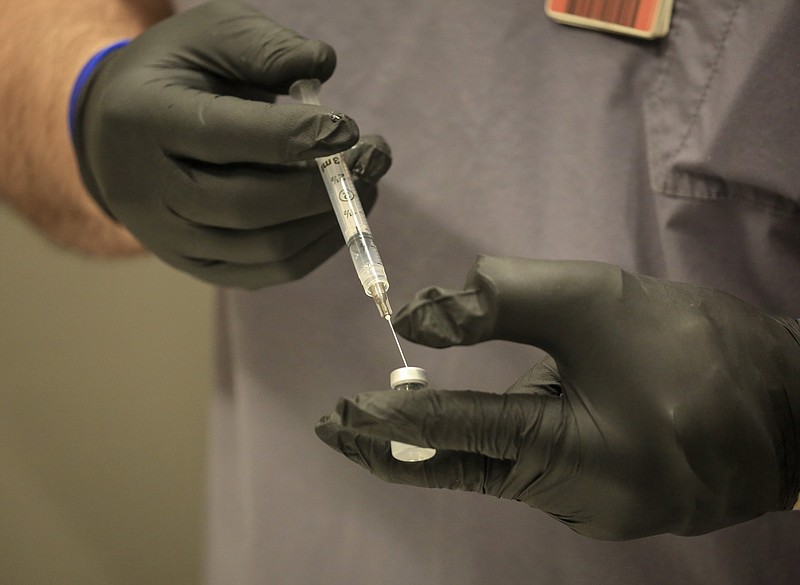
[(641, 18)]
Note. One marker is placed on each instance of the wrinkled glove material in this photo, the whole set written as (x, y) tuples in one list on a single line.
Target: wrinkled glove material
[(178, 136), (661, 407)]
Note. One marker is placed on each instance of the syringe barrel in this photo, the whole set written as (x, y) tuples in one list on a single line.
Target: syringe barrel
[(353, 223), (349, 212)]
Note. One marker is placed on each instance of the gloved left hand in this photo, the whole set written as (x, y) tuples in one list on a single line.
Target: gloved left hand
[(665, 407)]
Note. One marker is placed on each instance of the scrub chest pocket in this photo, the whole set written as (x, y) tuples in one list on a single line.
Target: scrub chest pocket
[(723, 114)]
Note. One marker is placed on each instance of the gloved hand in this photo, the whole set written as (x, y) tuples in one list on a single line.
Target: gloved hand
[(667, 407), (177, 138)]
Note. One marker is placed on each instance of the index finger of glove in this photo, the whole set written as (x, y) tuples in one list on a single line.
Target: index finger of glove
[(492, 425), (447, 470), (226, 129)]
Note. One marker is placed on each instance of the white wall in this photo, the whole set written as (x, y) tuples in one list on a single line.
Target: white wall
[(105, 369)]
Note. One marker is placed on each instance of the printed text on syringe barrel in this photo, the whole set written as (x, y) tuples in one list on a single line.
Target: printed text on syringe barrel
[(353, 222)]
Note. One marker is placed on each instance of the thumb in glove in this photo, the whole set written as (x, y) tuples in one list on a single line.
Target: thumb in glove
[(665, 407)]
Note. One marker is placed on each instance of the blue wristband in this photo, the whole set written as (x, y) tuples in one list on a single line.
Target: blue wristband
[(83, 77)]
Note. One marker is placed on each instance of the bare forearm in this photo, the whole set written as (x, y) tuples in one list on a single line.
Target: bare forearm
[(45, 44)]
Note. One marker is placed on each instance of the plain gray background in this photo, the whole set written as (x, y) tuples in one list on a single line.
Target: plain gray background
[(105, 370)]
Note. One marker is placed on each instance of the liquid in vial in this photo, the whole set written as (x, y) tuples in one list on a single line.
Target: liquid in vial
[(409, 379)]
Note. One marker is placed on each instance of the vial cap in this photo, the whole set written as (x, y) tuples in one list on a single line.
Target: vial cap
[(408, 375)]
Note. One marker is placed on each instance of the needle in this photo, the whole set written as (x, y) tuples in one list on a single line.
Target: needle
[(396, 340)]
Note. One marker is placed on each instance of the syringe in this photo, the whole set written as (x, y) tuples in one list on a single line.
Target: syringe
[(350, 213)]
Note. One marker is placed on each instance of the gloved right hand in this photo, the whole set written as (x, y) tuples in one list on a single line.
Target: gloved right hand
[(176, 138)]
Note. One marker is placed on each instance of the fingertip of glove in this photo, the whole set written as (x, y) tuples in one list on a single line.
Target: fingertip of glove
[(370, 158), (441, 318), (325, 429), (345, 409), (324, 59), (367, 410), (311, 59), (333, 132)]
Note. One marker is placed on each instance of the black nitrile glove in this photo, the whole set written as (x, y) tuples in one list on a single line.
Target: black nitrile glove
[(177, 139), (668, 408)]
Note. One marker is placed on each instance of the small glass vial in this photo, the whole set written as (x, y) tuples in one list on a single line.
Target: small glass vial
[(406, 380)]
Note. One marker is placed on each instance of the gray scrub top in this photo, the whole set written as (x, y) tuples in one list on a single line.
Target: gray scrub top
[(512, 135)]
